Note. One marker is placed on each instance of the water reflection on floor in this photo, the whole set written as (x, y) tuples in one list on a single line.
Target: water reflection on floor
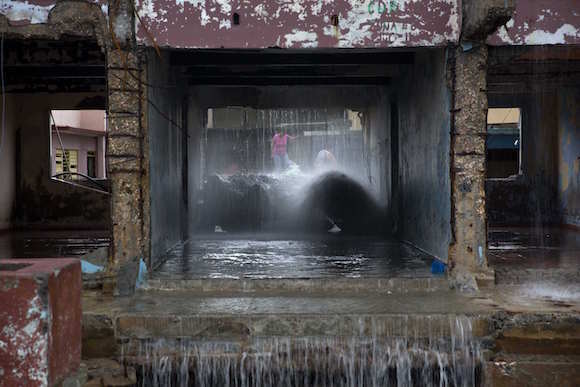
[(271, 256), (51, 243), (528, 247)]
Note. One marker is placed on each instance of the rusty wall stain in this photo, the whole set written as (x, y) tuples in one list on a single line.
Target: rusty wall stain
[(537, 22), (299, 24)]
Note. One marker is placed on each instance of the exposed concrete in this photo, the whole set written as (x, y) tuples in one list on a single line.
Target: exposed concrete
[(70, 18), (468, 76), (481, 18), (127, 168), (424, 140), (468, 248)]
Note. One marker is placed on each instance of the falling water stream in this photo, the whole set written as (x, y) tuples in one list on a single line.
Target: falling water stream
[(241, 194), (451, 359)]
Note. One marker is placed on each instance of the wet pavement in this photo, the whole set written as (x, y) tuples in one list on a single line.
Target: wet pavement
[(51, 243), (534, 248), (225, 256)]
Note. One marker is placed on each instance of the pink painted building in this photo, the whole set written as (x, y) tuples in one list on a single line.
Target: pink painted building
[(81, 133)]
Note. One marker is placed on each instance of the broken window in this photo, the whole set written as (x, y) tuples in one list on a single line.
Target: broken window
[(503, 142), (77, 145)]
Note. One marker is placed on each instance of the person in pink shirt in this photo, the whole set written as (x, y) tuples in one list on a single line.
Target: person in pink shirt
[(280, 150)]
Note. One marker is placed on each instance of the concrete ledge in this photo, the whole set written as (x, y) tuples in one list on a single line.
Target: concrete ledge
[(243, 327), (314, 285)]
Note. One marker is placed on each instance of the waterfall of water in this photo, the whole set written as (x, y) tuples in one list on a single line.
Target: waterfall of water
[(359, 360)]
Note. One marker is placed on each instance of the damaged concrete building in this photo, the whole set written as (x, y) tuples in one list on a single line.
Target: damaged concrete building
[(455, 124)]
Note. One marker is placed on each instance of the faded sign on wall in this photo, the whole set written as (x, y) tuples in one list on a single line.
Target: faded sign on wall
[(298, 23)]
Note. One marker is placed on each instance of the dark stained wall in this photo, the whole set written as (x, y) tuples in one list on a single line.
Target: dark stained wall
[(424, 139), (530, 198), (168, 205), (39, 200), (569, 155)]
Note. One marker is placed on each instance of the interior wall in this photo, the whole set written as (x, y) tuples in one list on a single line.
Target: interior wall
[(195, 126), (532, 197), (368, 162), (166, 152), (315, 101), (7, 168), (423, 101), (380, 147), (39, 200), (569, 155)]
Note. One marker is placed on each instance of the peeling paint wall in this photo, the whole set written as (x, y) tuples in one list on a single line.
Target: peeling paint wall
[(569, 155), (299, 24), (538, 22), (424, 139)]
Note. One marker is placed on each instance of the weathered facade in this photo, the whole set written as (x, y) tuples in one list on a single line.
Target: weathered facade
[(142, 105)]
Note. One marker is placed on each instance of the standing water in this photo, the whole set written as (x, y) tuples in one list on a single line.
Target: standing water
[(447, 356)]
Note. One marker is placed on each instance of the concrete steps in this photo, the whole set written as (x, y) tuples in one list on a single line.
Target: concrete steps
[(296, 335)]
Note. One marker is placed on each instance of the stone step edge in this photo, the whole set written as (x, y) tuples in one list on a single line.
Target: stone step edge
[(222, 326), (375, 285)]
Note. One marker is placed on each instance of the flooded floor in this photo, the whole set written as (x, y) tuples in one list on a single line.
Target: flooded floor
[(51, 243), (272, 256), (534, 248)]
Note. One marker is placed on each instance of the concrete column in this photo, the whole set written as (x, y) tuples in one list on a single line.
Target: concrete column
[(127, 162), (468, 249)]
